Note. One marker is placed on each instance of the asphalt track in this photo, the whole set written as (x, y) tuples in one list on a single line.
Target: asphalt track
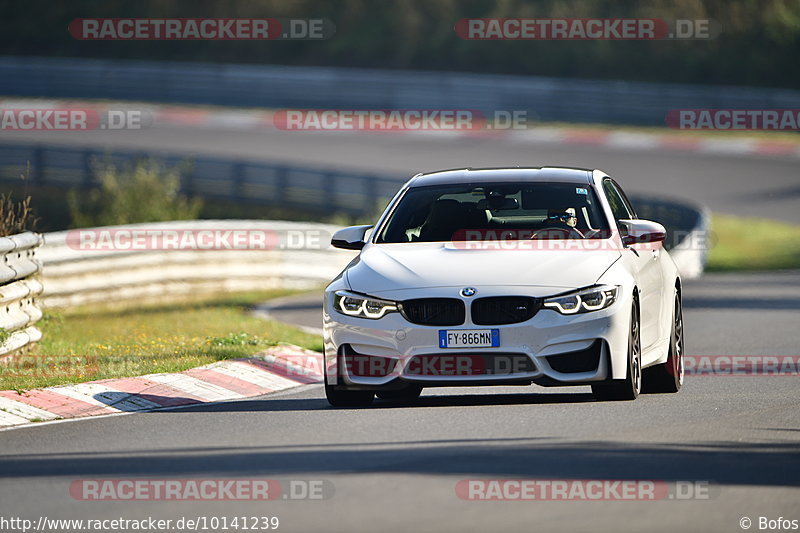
[(394, 467)]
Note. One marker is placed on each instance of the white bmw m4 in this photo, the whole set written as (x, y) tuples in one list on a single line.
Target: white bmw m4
[(504, 276)]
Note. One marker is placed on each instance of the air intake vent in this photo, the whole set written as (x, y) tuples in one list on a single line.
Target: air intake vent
[(434, 311), (586, 360), (499, 310)]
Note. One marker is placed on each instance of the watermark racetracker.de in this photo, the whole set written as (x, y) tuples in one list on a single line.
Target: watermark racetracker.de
[(377, 120), (570, 239), (72, 119), (603, 490), (141, 239), (200, 29), (206, 489), (742, 365), (734, 119), (582, 29)]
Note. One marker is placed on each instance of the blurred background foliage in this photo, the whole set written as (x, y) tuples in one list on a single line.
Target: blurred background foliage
[(145, 192), (759, 44)]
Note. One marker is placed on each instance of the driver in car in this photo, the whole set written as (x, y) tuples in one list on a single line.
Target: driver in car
[(560, 224)]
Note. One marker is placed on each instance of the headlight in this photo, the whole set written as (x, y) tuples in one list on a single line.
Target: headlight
[(584, 300), (351, 304)]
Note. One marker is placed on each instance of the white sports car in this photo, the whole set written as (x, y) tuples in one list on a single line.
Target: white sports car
[(499, 277)]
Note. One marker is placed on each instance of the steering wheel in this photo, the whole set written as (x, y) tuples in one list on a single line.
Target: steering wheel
[(556, 232)]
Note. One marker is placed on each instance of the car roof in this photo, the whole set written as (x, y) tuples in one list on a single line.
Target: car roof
[(503, 174)]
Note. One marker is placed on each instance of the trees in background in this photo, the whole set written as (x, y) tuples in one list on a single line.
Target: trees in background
[(759, 44)]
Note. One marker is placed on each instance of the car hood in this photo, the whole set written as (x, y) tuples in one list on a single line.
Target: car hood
[(390, 267)]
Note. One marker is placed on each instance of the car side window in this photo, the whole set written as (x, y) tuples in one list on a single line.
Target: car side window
[(625, 200), (616, 200)]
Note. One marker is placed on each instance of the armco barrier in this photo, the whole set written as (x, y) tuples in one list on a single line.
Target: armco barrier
[(19, 291), (76, 276), (312, 190)]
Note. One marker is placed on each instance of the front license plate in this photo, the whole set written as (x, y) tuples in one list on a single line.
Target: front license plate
[(469, 338)]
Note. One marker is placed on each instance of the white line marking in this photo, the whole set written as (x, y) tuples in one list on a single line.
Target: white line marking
[(82, 391), (7, 419), (253, 375), (24, 410), (195, 387)]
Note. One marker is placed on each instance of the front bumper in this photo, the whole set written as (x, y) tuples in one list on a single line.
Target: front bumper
[(555, 349)]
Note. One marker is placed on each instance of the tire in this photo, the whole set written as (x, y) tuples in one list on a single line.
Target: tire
[(668, 377), (630, 387), (339, 397), (409, 392)]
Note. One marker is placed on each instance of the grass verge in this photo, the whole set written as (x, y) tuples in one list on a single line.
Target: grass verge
[(89, 344), (747, 244)]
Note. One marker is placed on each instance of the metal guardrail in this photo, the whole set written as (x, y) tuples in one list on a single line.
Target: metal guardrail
[(544, 98), (19, 291), (312, 190), (299, 256)]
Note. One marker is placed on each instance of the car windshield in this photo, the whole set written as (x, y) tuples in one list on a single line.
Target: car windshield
[(527, 210)]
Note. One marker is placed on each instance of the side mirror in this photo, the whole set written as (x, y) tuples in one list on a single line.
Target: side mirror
[(641, 231), (351, 238)]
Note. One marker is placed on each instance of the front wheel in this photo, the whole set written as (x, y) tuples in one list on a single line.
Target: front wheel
[(339, 397), (630, 387)]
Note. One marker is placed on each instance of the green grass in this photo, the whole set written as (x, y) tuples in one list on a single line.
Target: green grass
[(83, 345), (741, 244)]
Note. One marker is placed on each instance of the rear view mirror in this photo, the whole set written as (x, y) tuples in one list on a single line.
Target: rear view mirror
[(636, 231), (351, 238), (498, 204)]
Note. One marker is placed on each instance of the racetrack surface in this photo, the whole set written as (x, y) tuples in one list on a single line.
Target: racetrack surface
[(743, 184), (395, 466)]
